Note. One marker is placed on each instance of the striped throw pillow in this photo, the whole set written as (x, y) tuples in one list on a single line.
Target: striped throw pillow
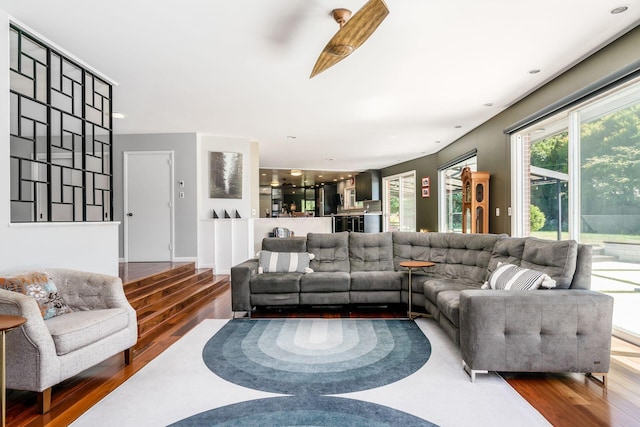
[(284, 262), (512, 277)]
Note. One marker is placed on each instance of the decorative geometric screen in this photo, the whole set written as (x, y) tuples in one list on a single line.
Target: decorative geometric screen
[(61, 137)]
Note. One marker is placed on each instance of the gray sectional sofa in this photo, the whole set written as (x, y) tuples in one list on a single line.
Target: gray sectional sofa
[(564, 329)]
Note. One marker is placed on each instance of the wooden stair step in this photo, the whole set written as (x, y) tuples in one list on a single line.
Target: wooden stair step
[(150, 288), (149, 295), (158, 277), (154, 327), (153, 314)]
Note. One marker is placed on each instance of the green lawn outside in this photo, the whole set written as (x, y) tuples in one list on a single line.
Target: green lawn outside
[(590, 238)]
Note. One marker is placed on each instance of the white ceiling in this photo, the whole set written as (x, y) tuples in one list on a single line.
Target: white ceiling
[(241, 68)]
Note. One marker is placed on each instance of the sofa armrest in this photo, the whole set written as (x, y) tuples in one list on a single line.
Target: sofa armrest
[(536, 331), (83, 290), (30, 345), (240, 277)]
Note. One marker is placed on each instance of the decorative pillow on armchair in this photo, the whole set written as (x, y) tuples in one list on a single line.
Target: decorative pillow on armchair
[(512, 277), (41, 287), (284, 262)]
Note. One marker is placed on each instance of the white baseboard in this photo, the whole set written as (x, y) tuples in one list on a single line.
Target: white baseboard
[(185, 259)]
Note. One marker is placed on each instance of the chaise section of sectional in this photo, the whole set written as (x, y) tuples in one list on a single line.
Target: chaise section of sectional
[(535, 331)]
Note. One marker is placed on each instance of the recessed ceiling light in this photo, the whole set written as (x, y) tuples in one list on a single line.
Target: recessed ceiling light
[(319, 176), (274, 183), (296, 172), (619, 9), (349, 176), (335, 179), (264, 174), (117, 115), (534, 71)]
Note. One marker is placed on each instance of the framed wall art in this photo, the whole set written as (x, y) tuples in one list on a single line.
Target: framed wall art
[(225, 175)]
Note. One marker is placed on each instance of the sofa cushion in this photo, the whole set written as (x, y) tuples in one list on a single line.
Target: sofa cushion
[(331, 251), (78, 329), (275, 283), (335, 281), (283, 262), (39, 286), (463, 256), (376, 280), (287, 244), (371, 251), (508, 251), (410, 246), (449, 305), (433, 286), (511, 277), (556, 258)]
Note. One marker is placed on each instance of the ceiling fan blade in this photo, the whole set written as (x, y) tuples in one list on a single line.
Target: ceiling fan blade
[(352, 35)]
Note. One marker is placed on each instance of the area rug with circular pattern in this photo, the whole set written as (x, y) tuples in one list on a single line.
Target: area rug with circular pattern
[(316, 356), (326, 372)]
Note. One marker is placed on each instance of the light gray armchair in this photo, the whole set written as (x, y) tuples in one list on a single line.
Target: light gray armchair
[(43, 353)]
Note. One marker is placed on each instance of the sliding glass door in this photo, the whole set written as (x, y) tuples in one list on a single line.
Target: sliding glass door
[(577, 177), (399, 208), (450, 193)]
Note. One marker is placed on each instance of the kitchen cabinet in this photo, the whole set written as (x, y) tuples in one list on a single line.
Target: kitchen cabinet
[(370, 223), (368, 185)]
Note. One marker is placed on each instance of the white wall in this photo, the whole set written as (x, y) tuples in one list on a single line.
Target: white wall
[(88, 246), (250, 177), (215, 236)]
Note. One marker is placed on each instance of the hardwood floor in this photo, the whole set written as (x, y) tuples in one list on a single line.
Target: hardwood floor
[(564, 399)]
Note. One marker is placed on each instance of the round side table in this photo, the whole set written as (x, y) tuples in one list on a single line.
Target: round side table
[(7, 323), (410, 265)]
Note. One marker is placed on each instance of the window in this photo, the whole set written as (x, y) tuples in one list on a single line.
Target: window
[(60, 136), (450, 193), (399, 209), (578, 177)]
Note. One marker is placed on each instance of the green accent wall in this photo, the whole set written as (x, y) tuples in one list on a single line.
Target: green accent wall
[(493, 146)]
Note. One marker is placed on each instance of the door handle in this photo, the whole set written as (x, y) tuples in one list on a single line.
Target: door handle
[(130, 214)]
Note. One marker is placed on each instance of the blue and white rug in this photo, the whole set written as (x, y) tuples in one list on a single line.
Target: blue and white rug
[(329, 372), (321, 357)]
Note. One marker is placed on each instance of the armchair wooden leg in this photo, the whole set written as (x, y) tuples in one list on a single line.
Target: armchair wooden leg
[(44, 401), (128, 356)]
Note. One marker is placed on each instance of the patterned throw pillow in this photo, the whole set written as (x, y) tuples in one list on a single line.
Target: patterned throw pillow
[(41, 287), (512, 277), (284, 262)]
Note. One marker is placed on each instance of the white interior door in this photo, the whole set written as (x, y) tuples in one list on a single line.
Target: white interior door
[(148, 209)]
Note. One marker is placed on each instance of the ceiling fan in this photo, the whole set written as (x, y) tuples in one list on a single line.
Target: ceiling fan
[(354, 31)]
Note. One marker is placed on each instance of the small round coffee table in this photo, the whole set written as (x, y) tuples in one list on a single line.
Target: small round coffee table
[(7, 323), (410, 265)]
